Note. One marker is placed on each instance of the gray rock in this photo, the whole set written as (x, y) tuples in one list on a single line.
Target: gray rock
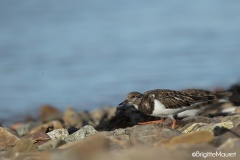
[(81, 133), (58, 134)]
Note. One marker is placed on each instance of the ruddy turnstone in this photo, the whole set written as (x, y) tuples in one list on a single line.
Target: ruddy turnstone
[(221, 96), (163, 103)]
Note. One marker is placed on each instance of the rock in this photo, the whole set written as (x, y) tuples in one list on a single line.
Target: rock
[(7, 139), (81, 133), (234, 118), (47, 126), (119, 138), (51, 144), (229, 134), (200, 119), (24, 128), (207, 127), (71, 118), (237, 110), (152, 133), (88, 149), (192, 138), (49, 113), (232, 144), (38, 138), (58, 134), (22, 146)]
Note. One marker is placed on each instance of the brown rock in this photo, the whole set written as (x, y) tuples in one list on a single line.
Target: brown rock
[(47, 126), (192, 138), (38, 138), (49, 113), (89, 148), (237, 110), (7, 139), (22, 146), (152, 133), (72, 118), (23, 128)]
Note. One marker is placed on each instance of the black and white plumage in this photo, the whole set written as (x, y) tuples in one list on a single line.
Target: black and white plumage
[(164, 103), (221, 96)]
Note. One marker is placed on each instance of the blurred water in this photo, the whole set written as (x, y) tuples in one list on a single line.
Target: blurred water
[(88, 54)]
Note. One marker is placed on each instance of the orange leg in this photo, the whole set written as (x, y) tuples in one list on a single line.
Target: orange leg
[(151, 122), (173, 123)]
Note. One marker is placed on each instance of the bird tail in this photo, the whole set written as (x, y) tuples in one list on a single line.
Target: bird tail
[(223, 95), (203, 98)]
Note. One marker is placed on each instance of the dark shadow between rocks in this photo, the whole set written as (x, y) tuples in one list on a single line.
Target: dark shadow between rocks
[(125, 116)]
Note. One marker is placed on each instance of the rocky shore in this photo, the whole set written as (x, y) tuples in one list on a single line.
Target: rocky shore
[(113, 133)]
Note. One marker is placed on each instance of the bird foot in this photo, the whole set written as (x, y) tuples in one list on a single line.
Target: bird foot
[(151, 122)]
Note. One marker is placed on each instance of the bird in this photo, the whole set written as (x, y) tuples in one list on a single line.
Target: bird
[(221, 96), (163, 103)]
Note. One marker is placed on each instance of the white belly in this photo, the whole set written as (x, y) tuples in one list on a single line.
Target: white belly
[(189, 113), (161, 111)]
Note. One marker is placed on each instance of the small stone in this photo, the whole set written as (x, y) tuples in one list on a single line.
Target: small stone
[(7, 139), (58, 134), (44, 127), (152, 133), (192, 138), (71, 118), (49, 113), (207, 127), (81, 133), (51, 144)]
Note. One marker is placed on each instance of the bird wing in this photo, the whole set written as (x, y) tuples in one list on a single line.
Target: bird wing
[(172, 99)]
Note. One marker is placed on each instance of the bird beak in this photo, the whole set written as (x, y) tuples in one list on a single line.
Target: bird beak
[(123, 103)]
